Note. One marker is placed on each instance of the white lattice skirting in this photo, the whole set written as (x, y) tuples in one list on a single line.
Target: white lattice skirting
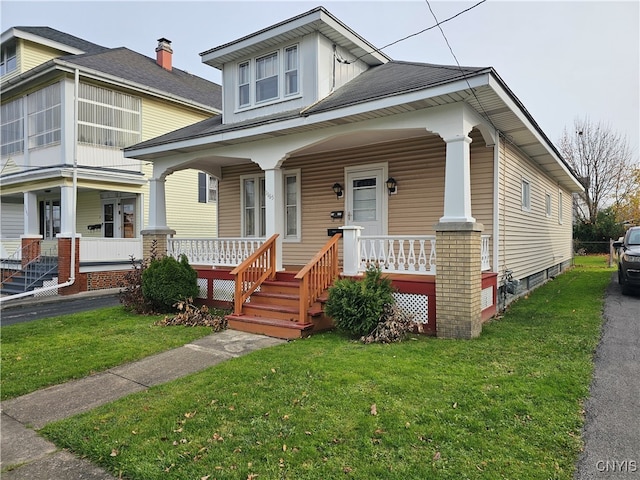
[(486, 298), (223, 290), (49, 293), (416, 304)]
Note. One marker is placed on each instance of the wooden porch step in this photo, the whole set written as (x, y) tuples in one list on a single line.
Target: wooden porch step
[(288, 299), (269, 326), (280, 312), (278, 286)]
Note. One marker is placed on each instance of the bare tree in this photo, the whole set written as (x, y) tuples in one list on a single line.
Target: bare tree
[(602, 158)]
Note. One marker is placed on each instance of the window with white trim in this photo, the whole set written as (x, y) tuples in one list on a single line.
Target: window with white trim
[(207, 188), (244, 85), (266, 78), (291, 70), (560, 207), (12, 127), (254, 208), (526, 195), (108, 118), (547, 204), (292, 209), (8, 58), (44, 116)]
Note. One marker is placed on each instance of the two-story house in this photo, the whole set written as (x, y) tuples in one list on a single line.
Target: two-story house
[(68, 109), (435, 173)]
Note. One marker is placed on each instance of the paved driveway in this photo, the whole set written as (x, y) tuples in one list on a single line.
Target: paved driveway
[(612, 427)]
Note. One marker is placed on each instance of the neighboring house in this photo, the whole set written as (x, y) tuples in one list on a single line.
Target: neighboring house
[(438, 174), (69, 107)]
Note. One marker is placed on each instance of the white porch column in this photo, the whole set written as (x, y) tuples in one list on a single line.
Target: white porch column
[(67, 210), (274, 209), (350, 249), (457, 181), (31, 224), (157, 205)]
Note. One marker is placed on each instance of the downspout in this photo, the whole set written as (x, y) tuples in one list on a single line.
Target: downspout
[(496, 204), (72, 277)]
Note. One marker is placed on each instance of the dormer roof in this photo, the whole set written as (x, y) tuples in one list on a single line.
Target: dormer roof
[(316, 20)]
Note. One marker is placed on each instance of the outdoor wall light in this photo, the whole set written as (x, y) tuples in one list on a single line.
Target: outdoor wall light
[(337, 189), (392, 186)]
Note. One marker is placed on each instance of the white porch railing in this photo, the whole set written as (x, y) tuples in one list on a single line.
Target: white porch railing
[(109, 249), (229, 252), (485, 253), (399, 254)]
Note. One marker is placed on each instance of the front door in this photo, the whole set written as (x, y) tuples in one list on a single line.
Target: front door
[(365, 200)]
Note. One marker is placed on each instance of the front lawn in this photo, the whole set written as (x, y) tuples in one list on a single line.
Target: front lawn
[(46, 352), (506, 405)]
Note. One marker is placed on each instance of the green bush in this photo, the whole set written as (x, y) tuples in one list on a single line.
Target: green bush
[(357, 306), (168, 281)]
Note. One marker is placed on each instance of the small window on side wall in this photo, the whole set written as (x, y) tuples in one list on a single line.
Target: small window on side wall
[(526, 195), (207, 188), (547, 204), (560, 207)]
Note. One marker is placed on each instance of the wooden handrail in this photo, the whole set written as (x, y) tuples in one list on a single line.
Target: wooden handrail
[(317, 275), (258, 267)]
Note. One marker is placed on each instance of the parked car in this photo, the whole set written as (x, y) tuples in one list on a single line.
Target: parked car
[(629, 260)]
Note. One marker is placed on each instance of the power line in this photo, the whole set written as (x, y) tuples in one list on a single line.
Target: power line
[(417, 33), (458, 63)]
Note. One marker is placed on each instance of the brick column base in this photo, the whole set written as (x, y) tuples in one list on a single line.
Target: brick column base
[(31, 248), (458, 280), (160, 236), (64, 266)]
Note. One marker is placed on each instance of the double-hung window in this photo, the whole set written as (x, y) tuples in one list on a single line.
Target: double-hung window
[(12, 127), (244, 85), (207, 188), (44, 116), (547, 204), (254, 208), (8, 59), (267, 77), (291, 70)]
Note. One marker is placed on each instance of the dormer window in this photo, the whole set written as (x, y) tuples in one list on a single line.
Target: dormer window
[(267, 78), (8, 59), (291, 70)]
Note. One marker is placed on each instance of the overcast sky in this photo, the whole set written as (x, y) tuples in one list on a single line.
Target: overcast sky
[(563, 60)]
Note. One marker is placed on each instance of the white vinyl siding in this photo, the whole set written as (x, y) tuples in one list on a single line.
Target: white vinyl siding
[(12, 127), (44, 116), (108, 118)]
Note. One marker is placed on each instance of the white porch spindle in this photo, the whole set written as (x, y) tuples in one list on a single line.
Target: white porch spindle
[(228, 252)]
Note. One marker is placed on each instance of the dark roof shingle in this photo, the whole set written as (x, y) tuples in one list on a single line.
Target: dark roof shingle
[(135, 67), (64, 38)]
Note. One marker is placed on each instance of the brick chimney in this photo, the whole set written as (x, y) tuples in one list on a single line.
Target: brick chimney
[(164, 53)]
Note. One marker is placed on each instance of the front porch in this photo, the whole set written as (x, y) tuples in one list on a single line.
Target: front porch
[(288, 303)]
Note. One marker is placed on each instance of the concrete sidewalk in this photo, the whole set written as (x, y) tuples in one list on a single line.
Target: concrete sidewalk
[(30, 456)]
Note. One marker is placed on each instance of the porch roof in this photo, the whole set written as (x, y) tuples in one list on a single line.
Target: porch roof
[(383, 91)]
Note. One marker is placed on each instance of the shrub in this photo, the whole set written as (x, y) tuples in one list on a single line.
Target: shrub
[(131, 295), (167, 281), (357, 306)]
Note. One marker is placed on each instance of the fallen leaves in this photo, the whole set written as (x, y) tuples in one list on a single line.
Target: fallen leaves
[(374, 409)]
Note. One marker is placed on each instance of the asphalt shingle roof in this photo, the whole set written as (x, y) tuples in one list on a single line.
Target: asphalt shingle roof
[(392, 78), (64, 38), (135, 67)]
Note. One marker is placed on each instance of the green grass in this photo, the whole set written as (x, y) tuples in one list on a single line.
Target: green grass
[(505, 405), (46, 352)]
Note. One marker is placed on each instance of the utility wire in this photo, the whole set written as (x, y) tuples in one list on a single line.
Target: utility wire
[(438, 24), (417, 33)]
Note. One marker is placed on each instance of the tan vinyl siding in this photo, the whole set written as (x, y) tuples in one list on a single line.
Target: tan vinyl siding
[(89, 212), (417, 164), (34, 54), (530, 241)]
